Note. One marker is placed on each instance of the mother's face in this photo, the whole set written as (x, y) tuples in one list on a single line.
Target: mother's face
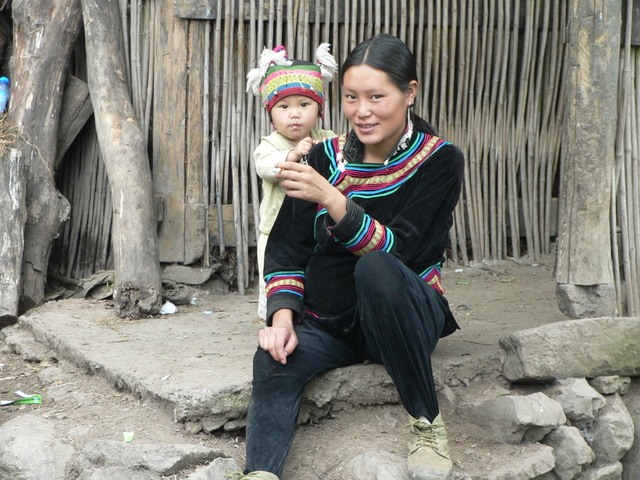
[(375, 106)]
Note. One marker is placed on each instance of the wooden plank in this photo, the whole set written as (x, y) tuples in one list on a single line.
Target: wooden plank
[(207, 9), (169, 132), (197, 9), (194, 214), (584, 246), (228, 226), (194, 236), (193, 159)]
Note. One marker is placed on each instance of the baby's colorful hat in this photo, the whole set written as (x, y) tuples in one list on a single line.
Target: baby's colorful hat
[(278, 77)]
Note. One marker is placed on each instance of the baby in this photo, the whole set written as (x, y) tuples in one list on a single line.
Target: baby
[(293, 94)]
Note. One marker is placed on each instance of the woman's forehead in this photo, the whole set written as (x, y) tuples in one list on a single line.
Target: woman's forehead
[(364, 77)]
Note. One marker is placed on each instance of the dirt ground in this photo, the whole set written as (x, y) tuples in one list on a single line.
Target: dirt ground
[(488, 300)]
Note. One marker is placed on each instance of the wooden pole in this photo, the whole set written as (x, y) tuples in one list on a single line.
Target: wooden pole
[(206, 261), (44, 35), (138, 289), (584, 272), (216, 134), (12, 220)]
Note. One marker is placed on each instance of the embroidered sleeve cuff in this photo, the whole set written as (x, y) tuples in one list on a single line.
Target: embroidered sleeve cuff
[(285, 300), (350, 225), (360, 233)]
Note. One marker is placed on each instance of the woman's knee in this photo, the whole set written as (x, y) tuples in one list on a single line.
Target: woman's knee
[(374, 265), (376, 270)]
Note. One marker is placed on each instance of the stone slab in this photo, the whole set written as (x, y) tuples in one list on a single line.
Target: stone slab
[(197, 363)]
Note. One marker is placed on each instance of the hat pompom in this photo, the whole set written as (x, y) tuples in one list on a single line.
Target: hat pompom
[(327, 62), (268, 57)]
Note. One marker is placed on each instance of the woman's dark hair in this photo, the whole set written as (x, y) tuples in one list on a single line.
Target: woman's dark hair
[(389, 54)]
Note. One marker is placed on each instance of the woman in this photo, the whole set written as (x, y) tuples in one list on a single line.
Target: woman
[(353, 262)]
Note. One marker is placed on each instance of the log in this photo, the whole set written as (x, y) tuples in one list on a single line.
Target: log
[(76, 110), (44, 35), (584, 245), (138, 286), (13, 214)]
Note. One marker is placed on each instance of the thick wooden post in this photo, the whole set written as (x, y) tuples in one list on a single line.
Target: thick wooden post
[(138, 287), (44, 35), (584, 271), (13, 214)]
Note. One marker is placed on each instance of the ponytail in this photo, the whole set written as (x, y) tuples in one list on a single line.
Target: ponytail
[(421, 125)]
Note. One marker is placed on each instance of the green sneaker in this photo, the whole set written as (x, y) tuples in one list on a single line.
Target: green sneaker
[(259, 475), (429, 451)]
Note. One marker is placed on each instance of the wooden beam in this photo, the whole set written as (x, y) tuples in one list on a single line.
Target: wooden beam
[(588, 155), (228, 226), (13, 215)]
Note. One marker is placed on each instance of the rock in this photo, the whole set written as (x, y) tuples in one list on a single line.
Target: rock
[(346, 388), (586, 301), (571, 451), (613, 431), (120, 473), (188, 275), (535, 461), (460, 476), (217, 285), (23, 343), (379, 466), (160, 459), (631, 460), (580, 401), (63, 372), (574, 348), (611, 384), (218, 470), (514, 418), (603, 472), (20, 438)]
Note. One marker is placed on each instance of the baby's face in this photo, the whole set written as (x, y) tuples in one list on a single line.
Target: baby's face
[(295, 116)]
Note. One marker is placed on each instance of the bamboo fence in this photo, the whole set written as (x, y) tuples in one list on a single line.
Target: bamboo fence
[(625, 210), (491, 82)]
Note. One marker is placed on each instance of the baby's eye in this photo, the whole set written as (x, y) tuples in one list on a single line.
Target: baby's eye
[(284, 106), (305, 104)]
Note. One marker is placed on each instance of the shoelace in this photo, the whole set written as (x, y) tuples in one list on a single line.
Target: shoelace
[(426, 435)]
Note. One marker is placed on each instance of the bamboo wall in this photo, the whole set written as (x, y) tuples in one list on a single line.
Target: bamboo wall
[(492, 82), (625, 204)]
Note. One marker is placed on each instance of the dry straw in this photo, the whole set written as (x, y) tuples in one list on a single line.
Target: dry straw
[(8, 135)]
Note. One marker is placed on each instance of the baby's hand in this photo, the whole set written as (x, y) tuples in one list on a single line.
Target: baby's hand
[(301, 149)]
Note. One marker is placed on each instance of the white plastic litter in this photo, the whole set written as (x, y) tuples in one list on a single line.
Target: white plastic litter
[(168, 308)]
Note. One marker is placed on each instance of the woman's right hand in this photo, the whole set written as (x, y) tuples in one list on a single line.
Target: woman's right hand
[(280, 339)]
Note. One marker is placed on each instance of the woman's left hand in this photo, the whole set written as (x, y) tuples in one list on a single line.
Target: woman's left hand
[(304, 182)]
